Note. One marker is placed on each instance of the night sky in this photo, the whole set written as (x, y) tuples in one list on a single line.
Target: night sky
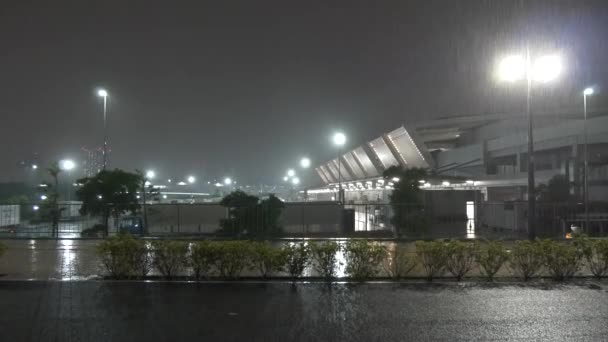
[(244, 88)]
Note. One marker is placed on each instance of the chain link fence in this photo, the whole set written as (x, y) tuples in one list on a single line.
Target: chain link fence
[(492, 220)]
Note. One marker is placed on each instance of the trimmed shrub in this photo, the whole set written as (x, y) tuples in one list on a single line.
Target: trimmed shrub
[(169, 256), (597, 258), (492, 258), (398, 263), (324, 255), (562, 260), (201, 258), (231, 257), (460, 257), (141, 258), (526, 259), (432, 257), (117, 254), (595, 253), (297, 258), (363, 258), (267, 258)]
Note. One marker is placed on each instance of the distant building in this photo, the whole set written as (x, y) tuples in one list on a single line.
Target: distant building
[(489, 152), (92, 161)]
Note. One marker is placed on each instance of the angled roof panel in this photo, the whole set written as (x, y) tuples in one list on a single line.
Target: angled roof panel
[(365, 162), (409, 152), (322, 175), (355, 168), (344, 174), (383, 152), (327, 174)]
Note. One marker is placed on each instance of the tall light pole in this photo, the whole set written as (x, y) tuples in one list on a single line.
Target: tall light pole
[(586, 92), (104, 94), (544, 69), (339, 140)]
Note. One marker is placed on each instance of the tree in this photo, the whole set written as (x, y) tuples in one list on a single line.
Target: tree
[(557, 190), (148, 192), (50, 206), (248, 215), (406, 199), (109, 193)]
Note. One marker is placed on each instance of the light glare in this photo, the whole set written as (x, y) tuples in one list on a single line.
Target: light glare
[(305, 163), (588, 91), (546, 68), (512, 68), (339, 139)]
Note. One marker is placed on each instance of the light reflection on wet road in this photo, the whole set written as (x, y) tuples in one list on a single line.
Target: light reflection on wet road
[(138, 311)]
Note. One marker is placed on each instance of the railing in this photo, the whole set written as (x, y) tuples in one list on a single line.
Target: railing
[(492, 220)]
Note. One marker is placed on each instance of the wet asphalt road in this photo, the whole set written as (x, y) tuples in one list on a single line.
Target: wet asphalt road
[(137, 311)]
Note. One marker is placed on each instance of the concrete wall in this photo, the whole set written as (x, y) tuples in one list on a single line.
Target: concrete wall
[(309, 217)]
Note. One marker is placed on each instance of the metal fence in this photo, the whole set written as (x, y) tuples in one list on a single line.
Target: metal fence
[(493, 220)]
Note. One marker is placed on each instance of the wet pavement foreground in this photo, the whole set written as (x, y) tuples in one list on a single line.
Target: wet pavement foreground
[(138, 311)]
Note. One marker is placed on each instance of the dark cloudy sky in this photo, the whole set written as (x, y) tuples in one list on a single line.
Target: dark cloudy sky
[(246, 87)]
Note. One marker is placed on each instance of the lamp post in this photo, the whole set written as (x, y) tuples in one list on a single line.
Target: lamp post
[(586, 92), (339, 140), (543, 69), (104, 94)]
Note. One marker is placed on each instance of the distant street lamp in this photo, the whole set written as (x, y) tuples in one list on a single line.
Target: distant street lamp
[(150, 174), (285, 179), (34, 167), (104, 94), (586, 92), (67, 165), (227, 181), (295, 181), (339, 140), (291, 173), (305, 163), (544, 69), (191, 179)]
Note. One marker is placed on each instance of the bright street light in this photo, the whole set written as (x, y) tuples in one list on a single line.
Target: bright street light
[(588, 91), (191, 179), (34, 166), (67, 164), (543, 69), (102, 93), (291, 173), (150, 174), (43, 197), (512, 68), (285, 179), (295, 181), (227, 181), (339, 139), (305, 163)]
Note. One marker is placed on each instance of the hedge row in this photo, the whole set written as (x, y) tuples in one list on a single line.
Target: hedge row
[(125, 256)]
